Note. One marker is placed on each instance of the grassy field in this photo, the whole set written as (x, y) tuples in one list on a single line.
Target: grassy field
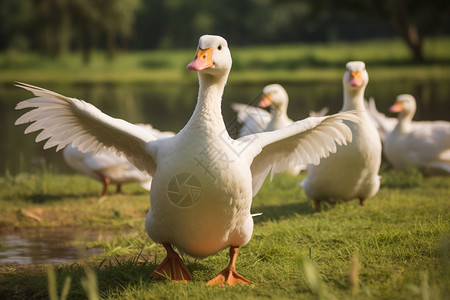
[(395, 247), (387, 60)]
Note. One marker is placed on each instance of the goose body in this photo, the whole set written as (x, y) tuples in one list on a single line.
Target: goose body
[(108, 167), (351, 172), (383, 123), (203, 181), (421, 144)]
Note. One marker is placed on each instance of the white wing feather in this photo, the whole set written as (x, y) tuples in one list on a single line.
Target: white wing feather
[(302, 143), (65, 120), (253, 119)]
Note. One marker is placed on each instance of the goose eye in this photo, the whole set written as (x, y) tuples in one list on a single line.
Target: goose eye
[(219, 47)]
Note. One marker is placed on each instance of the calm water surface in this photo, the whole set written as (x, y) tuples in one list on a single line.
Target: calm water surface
[(169, 108), (51, 245)]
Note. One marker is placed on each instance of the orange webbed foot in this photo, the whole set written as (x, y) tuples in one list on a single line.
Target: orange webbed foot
[(229, 275), (172, 267)]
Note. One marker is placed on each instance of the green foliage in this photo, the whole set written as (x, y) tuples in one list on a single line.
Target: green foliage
[(386, 60)]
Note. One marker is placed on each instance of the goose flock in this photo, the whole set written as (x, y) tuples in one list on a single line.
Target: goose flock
[(202, 180)]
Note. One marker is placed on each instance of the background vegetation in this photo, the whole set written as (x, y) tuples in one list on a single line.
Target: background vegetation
[(56, 27), (386, 59)]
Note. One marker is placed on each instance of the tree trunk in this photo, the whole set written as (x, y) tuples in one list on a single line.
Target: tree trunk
[(403, 25), (111, 45), (85, 44), (414, 41)]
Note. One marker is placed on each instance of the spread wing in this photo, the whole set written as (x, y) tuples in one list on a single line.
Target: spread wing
[(65, 120), (253, 119), (302, 143)]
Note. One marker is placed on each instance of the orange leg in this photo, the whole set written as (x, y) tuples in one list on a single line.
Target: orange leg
[(106, 182), (317, 204), (172, 267), (229, 275), (119, 188)]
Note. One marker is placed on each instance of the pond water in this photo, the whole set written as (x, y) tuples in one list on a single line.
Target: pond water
[(51, 245), (169, 107)]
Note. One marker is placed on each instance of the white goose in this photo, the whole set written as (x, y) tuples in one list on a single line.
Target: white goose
[(257, 120), (108, 167), (421, 144), (351, 172), (203, 181), (383, 124)]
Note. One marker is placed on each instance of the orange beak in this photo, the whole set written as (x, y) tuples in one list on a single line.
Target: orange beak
[(396, 108), (265, 101), (356, 78), (202, 60)]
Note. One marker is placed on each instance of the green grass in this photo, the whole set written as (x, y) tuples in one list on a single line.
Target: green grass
[(395, 247), (386, 59), (49, 199)]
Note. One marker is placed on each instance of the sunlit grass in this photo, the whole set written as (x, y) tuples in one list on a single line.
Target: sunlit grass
[(387, 59), (395, 247), (49, 199)]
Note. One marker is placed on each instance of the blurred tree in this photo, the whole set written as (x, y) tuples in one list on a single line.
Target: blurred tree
[(85, 15), (109, 19), (413, 20), (55, 26), (117, 18), (51, 26), (14, 21)]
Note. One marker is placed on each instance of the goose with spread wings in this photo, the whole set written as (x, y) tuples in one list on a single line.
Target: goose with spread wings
[(203, 180)]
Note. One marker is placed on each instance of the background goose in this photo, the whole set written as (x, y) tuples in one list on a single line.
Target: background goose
[(351, 172), (421, 144), (383, 123), (108, 167), (203, 181), (254, 119)]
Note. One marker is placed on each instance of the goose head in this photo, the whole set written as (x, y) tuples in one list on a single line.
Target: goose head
[(212, 58), (356, 76), (405, 106), (275, 96), (355, 81)]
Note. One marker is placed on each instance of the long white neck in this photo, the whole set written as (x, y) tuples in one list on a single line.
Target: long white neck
[(208, 112), (279, 119), (353, 99), (405, 121), (278, 113)]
